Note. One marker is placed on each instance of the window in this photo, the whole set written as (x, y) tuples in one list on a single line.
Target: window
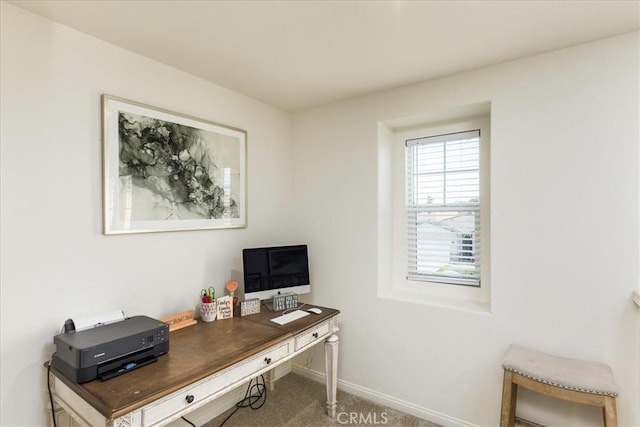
[(443, 208)]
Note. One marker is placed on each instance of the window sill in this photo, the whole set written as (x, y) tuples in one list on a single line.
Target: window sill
[(468, 306)]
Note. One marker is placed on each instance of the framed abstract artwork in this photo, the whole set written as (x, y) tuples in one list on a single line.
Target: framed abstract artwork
[(165, 171)]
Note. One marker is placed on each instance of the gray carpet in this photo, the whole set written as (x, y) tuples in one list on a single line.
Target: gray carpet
[(299, 401)]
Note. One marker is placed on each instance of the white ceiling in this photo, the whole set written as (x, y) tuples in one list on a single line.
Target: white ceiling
[(299, 54)]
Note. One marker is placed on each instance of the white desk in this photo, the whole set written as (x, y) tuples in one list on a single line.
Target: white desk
[(204, 362)]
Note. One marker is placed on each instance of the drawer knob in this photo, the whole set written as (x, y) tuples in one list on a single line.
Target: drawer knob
[(267, 360), (315, 335), (189, 398)]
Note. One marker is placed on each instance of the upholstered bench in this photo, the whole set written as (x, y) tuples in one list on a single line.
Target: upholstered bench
[(578, 381)]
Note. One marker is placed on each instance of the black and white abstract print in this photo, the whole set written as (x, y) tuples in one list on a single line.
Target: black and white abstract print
[(170, 171)]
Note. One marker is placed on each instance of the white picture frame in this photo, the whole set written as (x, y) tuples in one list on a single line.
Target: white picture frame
[(166, 171)]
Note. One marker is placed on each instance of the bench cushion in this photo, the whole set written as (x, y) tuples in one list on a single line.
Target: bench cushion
[(573, 374)]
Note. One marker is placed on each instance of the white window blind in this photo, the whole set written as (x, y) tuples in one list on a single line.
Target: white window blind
[(443, 208)]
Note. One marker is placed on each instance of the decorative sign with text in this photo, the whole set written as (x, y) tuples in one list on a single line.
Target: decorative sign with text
[(250, 306), (225, 307), (285, 301)]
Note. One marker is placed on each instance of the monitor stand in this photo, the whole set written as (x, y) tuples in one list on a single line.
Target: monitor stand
[(269, 304)]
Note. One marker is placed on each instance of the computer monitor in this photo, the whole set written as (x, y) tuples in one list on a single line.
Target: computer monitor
[(271, 271)]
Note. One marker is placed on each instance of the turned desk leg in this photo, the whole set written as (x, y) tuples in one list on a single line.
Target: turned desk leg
[(331, 364), (271, 379)]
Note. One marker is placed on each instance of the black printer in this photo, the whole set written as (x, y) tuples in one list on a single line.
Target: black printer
[(107, 351)]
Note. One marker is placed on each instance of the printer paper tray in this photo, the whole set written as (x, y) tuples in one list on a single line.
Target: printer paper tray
[(121, 365), (130, 366)]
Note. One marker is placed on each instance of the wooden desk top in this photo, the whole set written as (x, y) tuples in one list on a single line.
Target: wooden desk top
[(299, 325), (195, 352)]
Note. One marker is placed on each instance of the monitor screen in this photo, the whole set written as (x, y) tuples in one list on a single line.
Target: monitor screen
[(289, 261), (275, 270)]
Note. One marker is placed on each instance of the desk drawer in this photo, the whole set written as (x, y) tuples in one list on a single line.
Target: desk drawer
[(314, 334), (197, 393)]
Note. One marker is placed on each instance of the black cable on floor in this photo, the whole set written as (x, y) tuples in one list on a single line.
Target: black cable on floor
[(53, 411), (251, 400), (192, 424)]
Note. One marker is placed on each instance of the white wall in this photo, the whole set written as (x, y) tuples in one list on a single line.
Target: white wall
[(56, 263), (564, 132), (564, 234)]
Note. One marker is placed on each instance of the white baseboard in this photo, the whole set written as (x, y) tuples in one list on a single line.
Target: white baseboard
[(386, 400)]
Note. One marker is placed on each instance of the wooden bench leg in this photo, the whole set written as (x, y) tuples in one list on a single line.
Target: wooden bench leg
[(609, 412), (509, 395)]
